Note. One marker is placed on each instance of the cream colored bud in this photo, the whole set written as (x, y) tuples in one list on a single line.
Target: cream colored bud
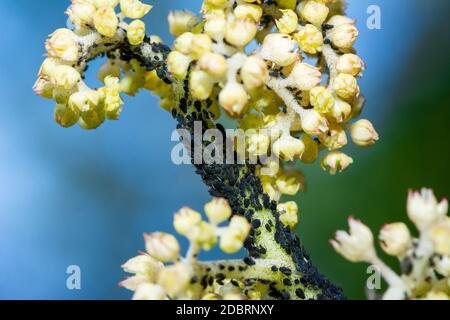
[(162, 246), (311, 149), (288, 147), (305, 76), (204, 235), (134, 9), (175, 278), (185, 220), (48, 66), (240, 225), (440, 236), (65, 115), (248, 11), (201, 43), (85, 101), (424, 210), (336, 161), (335, 138), (310, 39), (289, 213), (321, 99), (232, 239), (183, 43), (105, 21), (346, 86), (143, 264), (363, 133), (338, 20), (215, 26), (218, 210), (178, 64), (351, 64), (149, 291), (214, 64), (63, 44), (314, 123), (240, 32), (357, 245), (340, 111), (395, 239), (343, 36), (258, 144), (314, 12), (113, 103), (288, 22), (201, 84), (43, 88), (289, 184), (233, 98), (64, 77), (81, 13), (279, 48), (254, 72), (136, 32), (181, 22), (216, 3)]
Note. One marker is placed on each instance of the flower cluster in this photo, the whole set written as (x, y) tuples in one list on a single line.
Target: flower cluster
[(97, 28), (161, 273), (424, 261), (293, 112)]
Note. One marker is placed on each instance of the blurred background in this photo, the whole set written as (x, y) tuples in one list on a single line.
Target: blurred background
[(71, 197)]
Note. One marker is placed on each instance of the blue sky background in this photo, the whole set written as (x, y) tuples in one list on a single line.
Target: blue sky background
[(69, 196)]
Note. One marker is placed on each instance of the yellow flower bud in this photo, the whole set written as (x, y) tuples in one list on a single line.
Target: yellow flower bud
[(314, 123), (240, 225), (162, 246), (66, 116), (216, 25), (102, 3), (343, 36), (113, 102), (149, 291), (254, 72), (201, 43), (288, 147), (350, 64), (175, 278), (181, 22), (178, 64), (136, 32), (214, 64), (105, 21), (289, 213), (81, 13), (84, 101), (183, 43), (201, 84), (234, 235), (335, 138), (395, 239), (336, 161), (440, 236), (43, 88), (279, 48), (134, 9), (288, 22), (340, 111), (240, 32), (204, 235), (143, 264), (64, 77), (258, 144), (311, 149), (363, 133), (305, 76), (314, 12), (346, 86), (289, 185), (248, 11), (63, 44), (185, 220), (321, 99), (310, 39), (233, 98), (218, 210), (339, 20)]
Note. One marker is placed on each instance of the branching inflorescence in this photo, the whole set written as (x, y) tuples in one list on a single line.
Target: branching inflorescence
[(424, 261), (247, 58)]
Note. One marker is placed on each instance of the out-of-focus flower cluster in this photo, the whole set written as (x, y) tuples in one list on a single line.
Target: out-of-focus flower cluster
[(286, 70), (98, 27), (161, 273), (424, 260)]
